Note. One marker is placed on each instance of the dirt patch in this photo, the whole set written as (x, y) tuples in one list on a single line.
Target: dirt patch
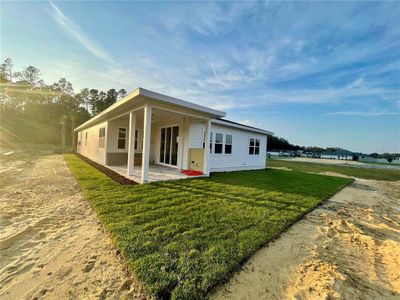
[(110, 173), (347, 248), (329, 173), (52, 244)]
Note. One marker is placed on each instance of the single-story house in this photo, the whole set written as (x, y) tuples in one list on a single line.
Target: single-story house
[(338, 154), (147, 136)]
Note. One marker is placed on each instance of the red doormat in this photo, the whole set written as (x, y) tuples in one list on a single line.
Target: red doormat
[(192, 172)]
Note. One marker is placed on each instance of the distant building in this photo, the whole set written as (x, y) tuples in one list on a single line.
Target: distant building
[(338, 154)]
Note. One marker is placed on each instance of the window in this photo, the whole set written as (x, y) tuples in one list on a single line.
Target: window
[(102, 136), (136, 139), (211, 142), (228, 144), (121, 138), (254, 146), (86, 138), (218, 143)]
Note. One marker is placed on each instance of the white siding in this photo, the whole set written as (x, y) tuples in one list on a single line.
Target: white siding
[(196, 133), (191, 136), (90, 148), (240, 159), (113, 127)]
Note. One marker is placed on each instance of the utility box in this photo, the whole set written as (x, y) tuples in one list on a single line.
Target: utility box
[(196, 159)]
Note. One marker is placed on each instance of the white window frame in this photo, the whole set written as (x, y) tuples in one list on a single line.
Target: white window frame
[(254, 147), (222, 143), (231, 144), (119, 138), (102, 138), (136, 145), (211, 142)]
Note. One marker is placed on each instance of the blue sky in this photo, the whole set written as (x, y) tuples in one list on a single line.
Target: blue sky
[(316, 73)]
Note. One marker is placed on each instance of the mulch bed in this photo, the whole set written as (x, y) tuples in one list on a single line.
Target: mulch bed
[(113, 175)]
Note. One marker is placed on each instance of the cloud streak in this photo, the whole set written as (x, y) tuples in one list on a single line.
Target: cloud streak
[(363, 113), (90, 45)]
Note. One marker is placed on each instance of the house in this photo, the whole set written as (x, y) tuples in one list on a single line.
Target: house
[(273, 153), (338, 154), (148, 136)]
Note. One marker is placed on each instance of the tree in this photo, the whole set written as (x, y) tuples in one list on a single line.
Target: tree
[(6, 71), (93, 101), (121, 94), (83, 97), (30, 75), (389, 159), (355, 157)]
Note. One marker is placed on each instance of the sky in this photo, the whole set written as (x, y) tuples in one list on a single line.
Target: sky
[(316, 73)]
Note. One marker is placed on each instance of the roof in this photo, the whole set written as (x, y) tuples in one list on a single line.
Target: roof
[(338, 153), (132, 96), (241, 126)]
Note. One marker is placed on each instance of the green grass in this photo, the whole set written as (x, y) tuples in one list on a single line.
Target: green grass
[(181, 238), (359, 172)]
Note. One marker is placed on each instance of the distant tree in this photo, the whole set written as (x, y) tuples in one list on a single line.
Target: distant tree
[(121, 94), (374, 155), (6, 74), (30, 75), (389, 159), (93, 101), (83, 97), (355, 157)]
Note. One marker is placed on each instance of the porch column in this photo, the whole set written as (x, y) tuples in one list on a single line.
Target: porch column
[(206, 163), (131, 145), (106, 144), (146, 143)]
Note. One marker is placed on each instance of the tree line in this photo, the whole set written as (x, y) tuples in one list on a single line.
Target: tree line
[(32, 111)]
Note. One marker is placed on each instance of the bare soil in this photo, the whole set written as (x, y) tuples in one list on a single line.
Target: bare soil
[(348, 248), (52, 244)]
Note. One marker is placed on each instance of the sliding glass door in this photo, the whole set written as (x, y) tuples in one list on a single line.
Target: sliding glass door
[(169, 145)]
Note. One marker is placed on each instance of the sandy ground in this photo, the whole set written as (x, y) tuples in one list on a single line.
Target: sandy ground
[(343, 163), (52, 244), (348, 248)]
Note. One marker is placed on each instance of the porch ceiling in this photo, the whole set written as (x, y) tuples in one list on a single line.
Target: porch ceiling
[(158, 115)]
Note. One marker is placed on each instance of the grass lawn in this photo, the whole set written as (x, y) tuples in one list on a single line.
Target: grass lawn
[(181, 238), (360, 172)]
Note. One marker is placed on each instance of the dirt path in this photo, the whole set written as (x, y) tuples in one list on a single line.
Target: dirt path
[(51, 242), (349, 248), (348, 163)]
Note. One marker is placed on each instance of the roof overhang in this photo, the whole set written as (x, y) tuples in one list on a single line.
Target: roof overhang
[(140, 95), (241, 126)]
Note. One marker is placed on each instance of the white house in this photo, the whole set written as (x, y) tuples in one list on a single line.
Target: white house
[(338, 155), (148, 137)]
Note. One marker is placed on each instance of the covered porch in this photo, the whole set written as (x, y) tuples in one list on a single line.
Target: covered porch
[(156, 173), (155, 143)]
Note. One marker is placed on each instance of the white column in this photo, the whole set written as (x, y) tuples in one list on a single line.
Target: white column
[(185, 145), (182, 130), (106, 143), (131, 145), (146, 143), (207, 148)]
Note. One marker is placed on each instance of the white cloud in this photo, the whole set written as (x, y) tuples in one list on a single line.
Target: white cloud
[(77, 33), (247, 122), (363, 113)]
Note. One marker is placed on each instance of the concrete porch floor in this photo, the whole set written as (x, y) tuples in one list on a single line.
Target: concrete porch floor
[(156, 173)]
